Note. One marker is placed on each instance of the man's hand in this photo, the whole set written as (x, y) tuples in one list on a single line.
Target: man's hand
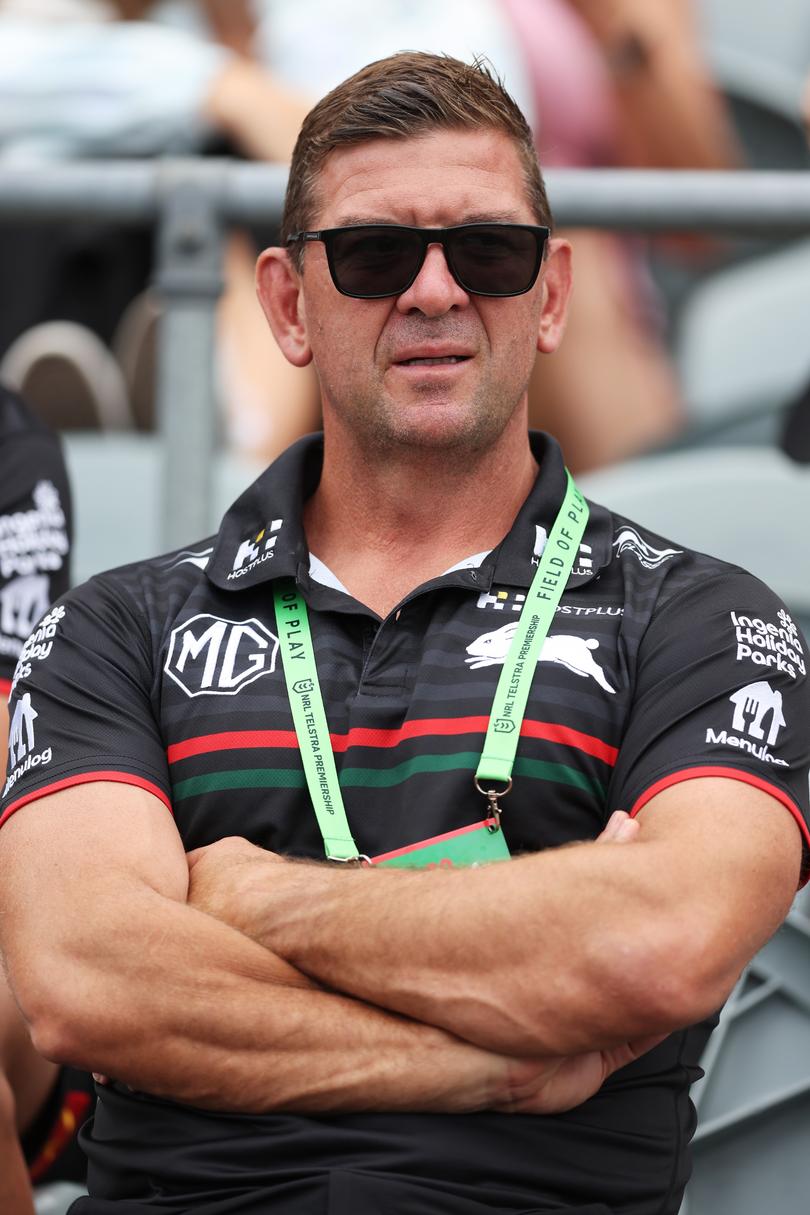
[(222, 877), (226, 878), (552, 1086)]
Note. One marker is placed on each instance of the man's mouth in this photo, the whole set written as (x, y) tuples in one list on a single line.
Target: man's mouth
[(447, 359)]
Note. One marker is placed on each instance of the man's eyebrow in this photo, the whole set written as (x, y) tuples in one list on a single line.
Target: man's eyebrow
[(474, 217)]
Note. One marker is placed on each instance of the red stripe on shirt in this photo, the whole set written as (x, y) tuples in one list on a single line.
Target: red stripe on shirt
[(5, 688), (363, 736), (727, 773), (83, 778)]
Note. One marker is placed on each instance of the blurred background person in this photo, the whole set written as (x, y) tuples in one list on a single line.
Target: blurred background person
[(96, 78), (42, 1105), (617, 83), (603, 82)]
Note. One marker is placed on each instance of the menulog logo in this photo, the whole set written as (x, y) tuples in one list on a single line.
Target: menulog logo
[(21, 742), (754, 705)]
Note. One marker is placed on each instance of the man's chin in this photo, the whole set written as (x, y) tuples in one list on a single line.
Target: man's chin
[(439, 425)]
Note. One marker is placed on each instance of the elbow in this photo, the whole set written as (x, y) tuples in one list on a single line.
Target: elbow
[(58, 1023), (55, 1031), (55, 1038), (676, 980)]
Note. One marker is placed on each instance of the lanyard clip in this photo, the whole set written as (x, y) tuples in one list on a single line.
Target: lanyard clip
[(493, 822)]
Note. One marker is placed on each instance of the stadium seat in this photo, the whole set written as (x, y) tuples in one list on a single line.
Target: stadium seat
[(117, 497), (750, 1150), (749, 506), (778, 34), (741, 348)]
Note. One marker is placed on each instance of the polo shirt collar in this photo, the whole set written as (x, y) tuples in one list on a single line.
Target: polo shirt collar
[(262, 535), (514, 561)]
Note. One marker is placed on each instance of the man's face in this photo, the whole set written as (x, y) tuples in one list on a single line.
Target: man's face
[(434, 366)]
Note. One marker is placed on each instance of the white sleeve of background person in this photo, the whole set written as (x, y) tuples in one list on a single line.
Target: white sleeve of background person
[(89, 89), (313, 45)]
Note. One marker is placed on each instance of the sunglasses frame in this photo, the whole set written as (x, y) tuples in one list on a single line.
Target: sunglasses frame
[(428, 236)]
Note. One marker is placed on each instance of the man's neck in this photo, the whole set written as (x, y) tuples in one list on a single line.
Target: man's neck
[(386, 524)]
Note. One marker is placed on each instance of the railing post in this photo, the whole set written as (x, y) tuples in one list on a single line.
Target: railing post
[(188, 281)]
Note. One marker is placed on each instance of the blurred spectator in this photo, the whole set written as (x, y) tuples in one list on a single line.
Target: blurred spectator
[(616, 83), (606, 82), (40, 1102), (86, 78)]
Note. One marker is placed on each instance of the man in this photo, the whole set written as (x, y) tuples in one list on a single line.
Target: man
[(41, 1105), (475, 1033)]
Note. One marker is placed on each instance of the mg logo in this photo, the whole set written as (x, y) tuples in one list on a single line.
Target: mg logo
[(209, 656)]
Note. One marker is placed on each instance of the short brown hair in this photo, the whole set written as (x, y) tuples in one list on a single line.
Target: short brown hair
[(400, 97)]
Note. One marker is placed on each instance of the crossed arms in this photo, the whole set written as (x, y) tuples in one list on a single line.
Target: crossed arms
[(235, 980)]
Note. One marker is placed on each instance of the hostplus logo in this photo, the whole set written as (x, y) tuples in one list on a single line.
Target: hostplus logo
[(503, 600), (256, 550), (769, 645), (22, 741), (755, 706), (215, 657)]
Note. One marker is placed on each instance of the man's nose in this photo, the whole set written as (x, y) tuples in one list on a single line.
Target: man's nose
[(434, 291)]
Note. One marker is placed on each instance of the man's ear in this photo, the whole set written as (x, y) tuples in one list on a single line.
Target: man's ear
[(557, 283), (278, 286)]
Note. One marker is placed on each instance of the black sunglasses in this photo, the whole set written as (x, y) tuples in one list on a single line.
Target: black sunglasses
[(373, 261)]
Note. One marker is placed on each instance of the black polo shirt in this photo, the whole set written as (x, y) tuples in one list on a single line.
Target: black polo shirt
[(35, 527), (663, 664)]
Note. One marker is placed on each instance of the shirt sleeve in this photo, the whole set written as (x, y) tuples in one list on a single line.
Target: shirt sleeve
[(721, 690), (82, 704), (35, 539)]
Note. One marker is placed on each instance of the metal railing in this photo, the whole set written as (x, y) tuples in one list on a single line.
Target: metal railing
[(192, 202)]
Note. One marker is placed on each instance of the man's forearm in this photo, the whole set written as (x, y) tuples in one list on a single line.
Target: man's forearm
[(449, 948), (562, 952), (196, 1012)]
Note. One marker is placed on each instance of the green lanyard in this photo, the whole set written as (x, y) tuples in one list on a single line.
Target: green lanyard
[(508, 707)]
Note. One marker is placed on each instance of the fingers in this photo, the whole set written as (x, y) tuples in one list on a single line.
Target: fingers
[(620, 829), (228, 846), (621, 1056)]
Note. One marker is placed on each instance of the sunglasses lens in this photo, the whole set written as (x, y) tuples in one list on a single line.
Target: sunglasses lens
[(370, 262), (495, 259)]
